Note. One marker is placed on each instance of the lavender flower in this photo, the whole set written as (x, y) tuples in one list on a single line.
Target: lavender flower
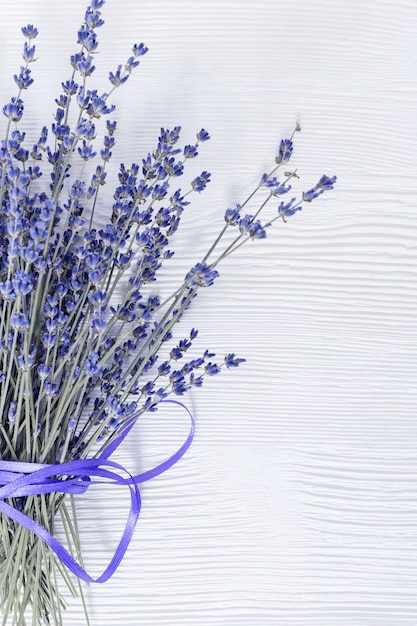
[(203, 135), (23, 80), (14, 110), (285, 151), (200, 183), (201, 275), (30, 31), (324, 184)]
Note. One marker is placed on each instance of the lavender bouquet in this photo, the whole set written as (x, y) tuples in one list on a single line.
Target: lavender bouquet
[(86, 341)]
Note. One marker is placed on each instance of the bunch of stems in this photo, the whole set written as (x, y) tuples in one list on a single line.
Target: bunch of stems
[(82, 328)]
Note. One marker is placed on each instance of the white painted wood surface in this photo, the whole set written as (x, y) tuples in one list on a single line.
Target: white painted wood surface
[(296, 505)]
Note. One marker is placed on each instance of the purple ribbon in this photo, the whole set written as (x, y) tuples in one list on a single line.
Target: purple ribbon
[(32, 479)]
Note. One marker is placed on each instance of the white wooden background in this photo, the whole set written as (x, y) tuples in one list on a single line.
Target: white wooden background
[(296, 505)]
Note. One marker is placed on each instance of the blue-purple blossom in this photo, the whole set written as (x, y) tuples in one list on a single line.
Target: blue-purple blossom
[(212, 369), (160, 191), (14, 109), (201, 275), (324, 184), (285, 151), (118, 78), (99, 322), (169, 137), (232, 216), (131, 63), (286, 209), (84, 64), (176, 353), (44, 371), (48, 340), (86, 129), (276, 188), (91, 365), (19, 321), (26, 361), (70, 87), (231, 360), (97, 105), (178, 202), (200, 183), (51, 389), (190, 152), (92, 15), (109, 141), (86, 151), (196, 381), (87, 38), (98, 298), (30, 31), (252, 228), (111, 127), (22, 282), (28, 52), (139, 49), (203, 135)]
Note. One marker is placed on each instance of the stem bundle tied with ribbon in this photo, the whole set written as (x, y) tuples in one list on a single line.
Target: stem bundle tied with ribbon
[(32, 479), (88, 336)]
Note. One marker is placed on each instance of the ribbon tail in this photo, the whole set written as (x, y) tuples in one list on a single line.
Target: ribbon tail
[(64, 556)]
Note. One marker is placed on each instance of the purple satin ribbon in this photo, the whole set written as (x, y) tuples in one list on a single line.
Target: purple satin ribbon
[(31, 479)]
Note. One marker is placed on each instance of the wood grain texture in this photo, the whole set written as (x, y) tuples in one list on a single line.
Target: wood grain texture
[(296, 505)]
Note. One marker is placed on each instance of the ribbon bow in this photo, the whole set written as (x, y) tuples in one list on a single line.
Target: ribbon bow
[(31, 479)]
